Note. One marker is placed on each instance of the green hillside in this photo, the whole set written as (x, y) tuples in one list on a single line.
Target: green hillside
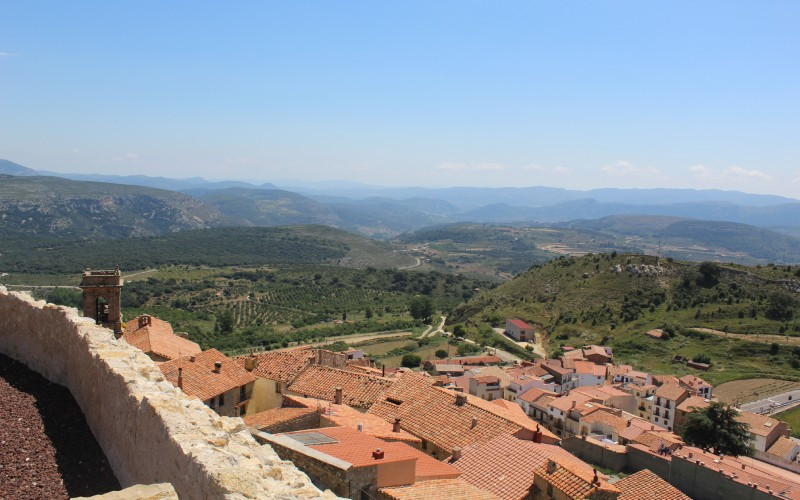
[(217, 247), (270, 207), (56, 207), (614, 299)]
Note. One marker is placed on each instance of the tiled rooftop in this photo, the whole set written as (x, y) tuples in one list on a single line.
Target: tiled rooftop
[(345, 416), (152, 335), (671, 392), (199, 378), (505, 465), (359, 389), (606, 417), (451, 489), (589, 368), (782, 447), (573, 480), (266, 419), (644, 485), (356, 448), (534, 394), (693, 402), (281, 366), (432, 414), (760, 425)]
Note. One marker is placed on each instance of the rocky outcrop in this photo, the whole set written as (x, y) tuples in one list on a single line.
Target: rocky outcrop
[(150, 431)]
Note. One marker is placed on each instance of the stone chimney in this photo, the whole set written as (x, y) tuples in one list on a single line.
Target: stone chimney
[(145, 320), (461, 399), (192, 358), (456, 453), (217, 366), (551, 466), (377, 454), (337, 397), (180, 378), (396, 425), (251, 363), (537, 436), (474, 422)]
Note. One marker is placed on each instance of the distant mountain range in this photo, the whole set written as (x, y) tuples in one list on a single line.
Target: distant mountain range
[(117, 206)]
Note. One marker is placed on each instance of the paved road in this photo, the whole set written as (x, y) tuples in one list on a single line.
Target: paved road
[(773, 404)]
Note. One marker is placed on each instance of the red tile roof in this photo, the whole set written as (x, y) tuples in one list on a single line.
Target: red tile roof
[(451, 489), (693, 402), (281, 366), (505, 465), (152, 335), (533, 395), (356, 448), (574, 481), (432, 414), (671, 392), (760, 425), (345, 416), (264, 420), (359, 389), (199, 378), (520, 324), (782, 447), (469, 360), (644, 485), (589, 368)]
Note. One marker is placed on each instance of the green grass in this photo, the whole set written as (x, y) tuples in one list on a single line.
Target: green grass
[(791, 417)]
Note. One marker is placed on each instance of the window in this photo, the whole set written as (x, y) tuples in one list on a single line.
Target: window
[(242, 393), (222, 399), (212, 403)]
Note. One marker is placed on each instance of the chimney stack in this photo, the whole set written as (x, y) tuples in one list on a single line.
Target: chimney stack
[(360, 427), (551, 466), (383, 370), (474, 422), (337, 398), (251, 362), (461, 399), (217, 366), (377, 454), (537, 436), (192, 358), (456, 453), (180, 378), (595, 480), (396, 425)]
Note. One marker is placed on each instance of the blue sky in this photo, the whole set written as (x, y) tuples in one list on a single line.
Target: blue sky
[(434, 93)]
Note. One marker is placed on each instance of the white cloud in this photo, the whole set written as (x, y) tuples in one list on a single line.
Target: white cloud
[(622, 168), (743, 173), (125, 158), (561, 169), (6, 54), (470, 167)]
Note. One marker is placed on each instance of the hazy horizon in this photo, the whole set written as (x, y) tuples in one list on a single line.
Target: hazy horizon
[(576, 96)]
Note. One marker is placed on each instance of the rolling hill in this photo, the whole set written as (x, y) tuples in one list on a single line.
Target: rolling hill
[(613, 299)]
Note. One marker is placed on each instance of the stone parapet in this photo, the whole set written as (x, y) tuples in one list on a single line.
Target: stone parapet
[(150, 431)]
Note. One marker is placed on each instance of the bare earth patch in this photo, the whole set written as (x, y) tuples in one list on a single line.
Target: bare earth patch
[(744, 391)]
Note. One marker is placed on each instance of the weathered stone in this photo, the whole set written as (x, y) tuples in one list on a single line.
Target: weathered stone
[(161, 491)]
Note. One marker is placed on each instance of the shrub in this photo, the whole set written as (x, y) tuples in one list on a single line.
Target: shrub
[(441, 354), (411, 361)]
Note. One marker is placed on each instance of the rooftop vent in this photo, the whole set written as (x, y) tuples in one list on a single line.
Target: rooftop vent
[(217, 366), (377, 454)]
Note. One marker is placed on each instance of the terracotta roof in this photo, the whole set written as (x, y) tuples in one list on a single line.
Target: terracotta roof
[(782, 447), (671, 392), (356, 448), (432, 414), (606, 417), (644, 485), (749, 474), (693, 402), (199, 379), (564, 403), (595, 349), (488, 379), (520, 324), (760, 425), (602, 393), (494, 371), (630, 433), (264, 420), (281, 366), (511, 407), (654, 439), (345, 416), (573, 480), (655, 333), (452, 489), (469, 360), (589, 368), (533, 395), (358, 389), (505, 465), (666, 380), (693, 381), (156, 337)]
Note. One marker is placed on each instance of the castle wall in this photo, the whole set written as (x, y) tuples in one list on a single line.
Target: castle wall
[(150, 431)]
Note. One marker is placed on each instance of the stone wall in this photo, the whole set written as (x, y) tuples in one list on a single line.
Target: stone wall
[(613, 457), (150, 431)]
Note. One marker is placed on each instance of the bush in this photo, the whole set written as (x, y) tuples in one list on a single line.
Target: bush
[(467, 348), (702, 358), (411, 361), (441, 354)]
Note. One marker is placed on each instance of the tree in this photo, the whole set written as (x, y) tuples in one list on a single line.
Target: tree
[(716, 428), (780, 305), (226, 321), (467, 348), (65, 297), (702, 358), (459, 331), (368, 313), (411, 361), (709, 274), (441, 354), (421, 307)]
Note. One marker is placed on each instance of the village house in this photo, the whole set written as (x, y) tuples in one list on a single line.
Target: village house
[(155, 338), (610, 396), (519, 330), (696, 386), (763, 429), (354, 464), (665, 403), (598, 355), (561, 479), (274, 371), (785, 448), (564, 379), (439, 488), (486, 387), (645, 485), (446, 420), (534, 403), (687, 406), (214, 378), (590, 374), (526, 378), (625, 374)]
